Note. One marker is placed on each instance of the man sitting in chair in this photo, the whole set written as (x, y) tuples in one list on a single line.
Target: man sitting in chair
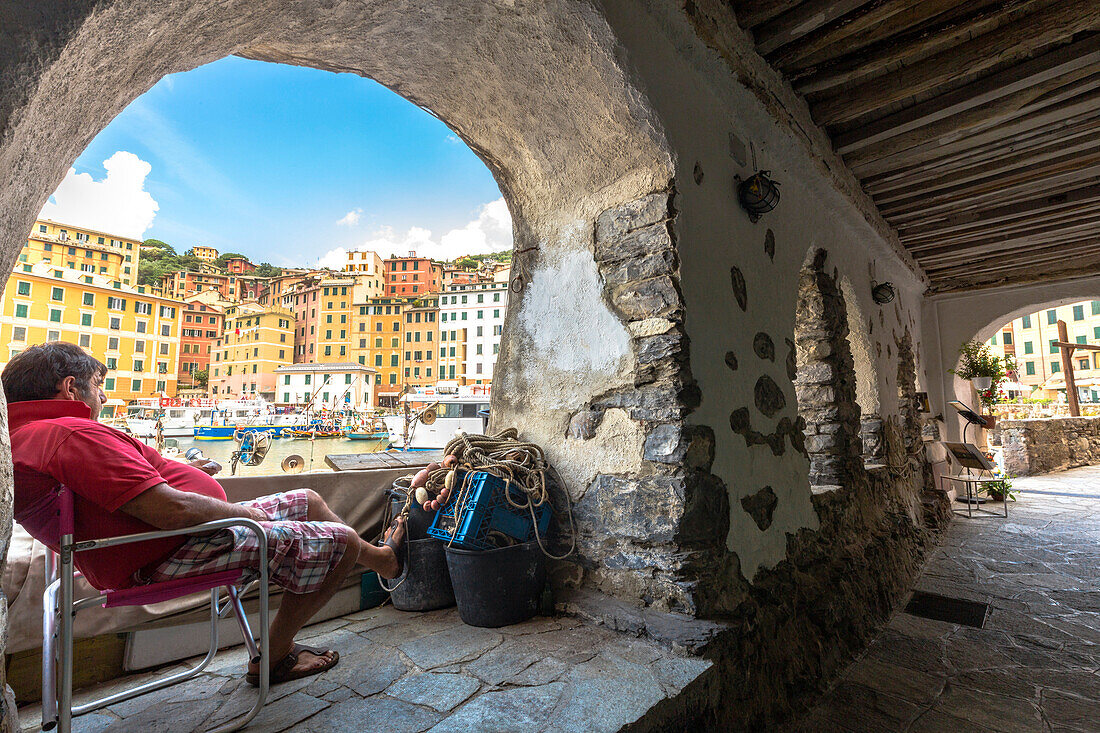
[(122, 486)]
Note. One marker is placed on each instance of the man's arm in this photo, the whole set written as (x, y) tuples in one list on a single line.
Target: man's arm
[(163, 507)]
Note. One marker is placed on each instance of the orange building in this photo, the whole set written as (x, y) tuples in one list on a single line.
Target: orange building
[(421, 334), (382, 345), (239, 266), (412, 276), (201, 327)]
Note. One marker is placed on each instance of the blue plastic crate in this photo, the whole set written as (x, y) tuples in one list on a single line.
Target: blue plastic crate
[(486, 509)]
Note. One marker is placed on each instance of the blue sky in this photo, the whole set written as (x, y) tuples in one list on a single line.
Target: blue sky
[(284, 164)]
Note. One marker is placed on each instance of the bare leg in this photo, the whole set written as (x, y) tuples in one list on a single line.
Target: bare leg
[(382, 560), (298, 608)]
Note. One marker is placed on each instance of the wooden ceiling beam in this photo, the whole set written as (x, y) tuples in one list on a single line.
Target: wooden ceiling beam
[(803, 18), (952, 222), (1022, 77), (1033, 259), (1020, 227), (1020, 276), (873, 22), (1046, 178), (905, 49), (1036, 141), (1054, 154), (978, 127), (751, 13), (1016, 241), (1044, 27)]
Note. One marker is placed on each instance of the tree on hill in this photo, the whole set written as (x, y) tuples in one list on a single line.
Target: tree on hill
[(266, 269), (159, 244), (466, 263)]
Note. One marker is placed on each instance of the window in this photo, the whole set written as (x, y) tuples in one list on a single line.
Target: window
[(166, 329), (109, 384), (1055, 366), (89, 298), (144, 309), (141, 326), (1053, 347), (1030, 349), (393, 360), (378, 360), (139, 365), (86, 340), (112, 343), (164, 349), (480, 331), (1082, 339), (19, 333), (393, 377), (328, 351), (135, 385), (116, 303), (24, 288), (1078, 312), (55, 315), (1026, 321), (479, 347), (21, 311), (1083, 363), (347, 379), (1052, 317), (1008, 338)]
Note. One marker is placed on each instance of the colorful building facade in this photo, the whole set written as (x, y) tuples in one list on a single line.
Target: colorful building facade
[(255, 342), (412, 276), (202, 325)]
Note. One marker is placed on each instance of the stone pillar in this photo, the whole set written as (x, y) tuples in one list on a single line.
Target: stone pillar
[(825, 383)]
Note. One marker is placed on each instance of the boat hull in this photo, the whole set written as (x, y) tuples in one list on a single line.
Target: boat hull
[(377, 435), (225, 432)]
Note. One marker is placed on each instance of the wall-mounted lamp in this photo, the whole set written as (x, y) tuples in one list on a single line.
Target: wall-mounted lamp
[(882, 293), (758, 194)]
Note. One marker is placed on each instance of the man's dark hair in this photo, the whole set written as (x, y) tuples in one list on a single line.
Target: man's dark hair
[(34, 374)]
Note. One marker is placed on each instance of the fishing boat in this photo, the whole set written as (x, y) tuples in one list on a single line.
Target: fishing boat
[(177, 417), (369, 430), (428, 419), (308, 433), (257, 416)]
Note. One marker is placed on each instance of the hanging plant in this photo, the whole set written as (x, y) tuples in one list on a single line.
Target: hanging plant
[(979, 363)]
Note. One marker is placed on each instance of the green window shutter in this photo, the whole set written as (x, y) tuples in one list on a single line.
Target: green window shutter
[(1029, 348), (85, 319), (1029, 368)]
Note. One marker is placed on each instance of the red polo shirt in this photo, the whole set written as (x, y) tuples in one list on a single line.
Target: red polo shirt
[(54, 442)]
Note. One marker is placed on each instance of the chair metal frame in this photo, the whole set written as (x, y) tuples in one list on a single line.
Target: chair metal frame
[(60, 608)]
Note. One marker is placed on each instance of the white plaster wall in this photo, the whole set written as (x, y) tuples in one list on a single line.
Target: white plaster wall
[(701, 103), (954, 318)]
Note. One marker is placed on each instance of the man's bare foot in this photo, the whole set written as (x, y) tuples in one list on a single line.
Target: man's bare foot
[(392, 543)]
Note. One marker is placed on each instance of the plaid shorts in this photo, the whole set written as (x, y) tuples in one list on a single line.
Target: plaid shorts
[(300, 553)]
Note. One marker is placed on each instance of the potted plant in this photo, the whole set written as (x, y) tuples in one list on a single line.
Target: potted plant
[(985, 371), (1001, 489)]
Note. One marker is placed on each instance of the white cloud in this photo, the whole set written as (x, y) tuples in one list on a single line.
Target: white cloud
[(118, 204), (350, 219), (491, 231)]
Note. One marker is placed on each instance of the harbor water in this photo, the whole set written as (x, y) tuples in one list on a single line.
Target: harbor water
[(313, 452)]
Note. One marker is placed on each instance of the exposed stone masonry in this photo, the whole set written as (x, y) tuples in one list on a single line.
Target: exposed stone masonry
[(826, 382), (1033, 447)]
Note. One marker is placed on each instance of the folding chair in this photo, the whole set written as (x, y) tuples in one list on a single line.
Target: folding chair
[(59, 610)]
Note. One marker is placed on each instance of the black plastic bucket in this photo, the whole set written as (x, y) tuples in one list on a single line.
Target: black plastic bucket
[(419, 520), (497, 587), (427, 583)]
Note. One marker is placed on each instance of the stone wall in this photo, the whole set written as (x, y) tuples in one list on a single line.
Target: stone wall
[(826, 381), (1033, 447)]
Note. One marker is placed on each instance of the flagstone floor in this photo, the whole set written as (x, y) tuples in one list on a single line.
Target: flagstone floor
[(411, 672), (1034, 666)]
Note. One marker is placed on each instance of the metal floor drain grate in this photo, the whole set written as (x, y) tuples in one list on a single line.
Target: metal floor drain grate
[(944, 608)]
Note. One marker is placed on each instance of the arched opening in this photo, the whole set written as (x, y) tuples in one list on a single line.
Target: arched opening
[(826, 376), (860, 328), (584, 167)]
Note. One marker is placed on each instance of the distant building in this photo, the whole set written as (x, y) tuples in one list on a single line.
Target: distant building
[(1030, 340), (420, 339), (183, 284), (479, 309), (202, 325), (135, 333), (384, 348), (207, 254), (412, 276), (333, 386), (254, 343), (85, 250), (239, 265)]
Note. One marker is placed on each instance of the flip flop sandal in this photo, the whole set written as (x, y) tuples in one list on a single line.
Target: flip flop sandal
[(398, 551), (284, 671)]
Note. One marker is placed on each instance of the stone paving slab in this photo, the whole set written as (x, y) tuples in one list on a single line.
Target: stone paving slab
[(414, 672), (1035, 666)]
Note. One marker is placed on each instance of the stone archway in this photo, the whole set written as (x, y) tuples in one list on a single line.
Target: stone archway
[(860, 329), (584, 166)]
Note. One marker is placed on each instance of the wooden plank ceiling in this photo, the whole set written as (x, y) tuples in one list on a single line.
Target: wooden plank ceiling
[(974, 125)]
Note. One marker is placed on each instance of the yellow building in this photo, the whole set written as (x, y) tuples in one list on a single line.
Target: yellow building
[(257, 340), (378, 343), (334, 327), (135, 333), (208, 254), (86, 251), (452, 356), (421, 337)]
